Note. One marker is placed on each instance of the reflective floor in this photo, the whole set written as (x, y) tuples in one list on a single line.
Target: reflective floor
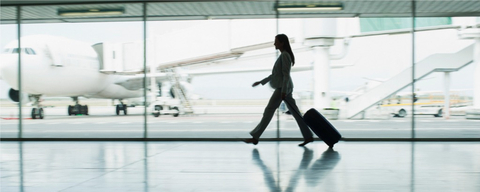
[(235, 166)]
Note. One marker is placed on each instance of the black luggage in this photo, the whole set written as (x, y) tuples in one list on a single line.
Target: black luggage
[(321, 126)]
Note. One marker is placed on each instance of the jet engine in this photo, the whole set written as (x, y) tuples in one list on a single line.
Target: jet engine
[(14, 96)]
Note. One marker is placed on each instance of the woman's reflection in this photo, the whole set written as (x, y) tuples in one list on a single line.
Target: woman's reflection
[(313, 174), (267, 173)]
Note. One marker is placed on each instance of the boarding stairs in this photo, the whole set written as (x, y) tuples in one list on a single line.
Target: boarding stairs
[(178, 91), (443, 62)]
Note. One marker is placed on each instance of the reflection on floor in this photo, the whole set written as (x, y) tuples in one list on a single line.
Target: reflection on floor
[(235, 166)]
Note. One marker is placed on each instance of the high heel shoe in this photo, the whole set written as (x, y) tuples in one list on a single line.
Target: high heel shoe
[(252, 140), (306, 142)]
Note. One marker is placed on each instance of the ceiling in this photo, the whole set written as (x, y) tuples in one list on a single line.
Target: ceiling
[(46, 11)]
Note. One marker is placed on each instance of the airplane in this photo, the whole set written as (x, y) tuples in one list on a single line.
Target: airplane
[(57, 66)]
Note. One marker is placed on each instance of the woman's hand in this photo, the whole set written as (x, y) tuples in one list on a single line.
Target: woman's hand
[(255, 84)]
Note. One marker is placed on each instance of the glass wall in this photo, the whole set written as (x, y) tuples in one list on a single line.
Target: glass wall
[(352, 70), (83, 74), (445, 77), (199, 92), (72, 73), (9, 96)]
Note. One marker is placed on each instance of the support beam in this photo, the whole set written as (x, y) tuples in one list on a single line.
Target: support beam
[(321, 77), (446, 103), (319, 34)]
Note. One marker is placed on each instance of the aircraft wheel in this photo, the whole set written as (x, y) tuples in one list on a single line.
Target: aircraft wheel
[(70, 110), (34, 113), (81, 109), (125, 109), (77, 109), (118, 109), (85, 110), (40, 113)]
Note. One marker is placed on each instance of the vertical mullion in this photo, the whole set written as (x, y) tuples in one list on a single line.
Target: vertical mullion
[(413, 68), (20, 135), (145, 134), (278, 109)]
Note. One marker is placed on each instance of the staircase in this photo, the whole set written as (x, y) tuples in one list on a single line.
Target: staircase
[(178, 91), (445, 62)]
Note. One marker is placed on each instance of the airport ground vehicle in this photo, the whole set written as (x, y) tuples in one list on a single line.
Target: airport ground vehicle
[(166, 106), (402, 111)]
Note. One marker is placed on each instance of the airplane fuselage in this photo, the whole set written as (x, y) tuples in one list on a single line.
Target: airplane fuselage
[(55, 66)]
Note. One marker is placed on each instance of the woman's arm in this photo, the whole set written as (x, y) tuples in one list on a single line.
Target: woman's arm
[(263, 81), (266, 80)]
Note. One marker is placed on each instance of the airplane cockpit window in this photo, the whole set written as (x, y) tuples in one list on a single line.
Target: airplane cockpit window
[(6, 50), (30, 51)]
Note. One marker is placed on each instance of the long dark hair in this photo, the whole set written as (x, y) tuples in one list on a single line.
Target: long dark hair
[(286, 45)]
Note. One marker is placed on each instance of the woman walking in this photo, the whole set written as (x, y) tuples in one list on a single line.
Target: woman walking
[(282, 83)]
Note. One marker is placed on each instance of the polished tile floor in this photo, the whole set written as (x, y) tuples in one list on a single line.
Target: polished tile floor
[(235, 166)]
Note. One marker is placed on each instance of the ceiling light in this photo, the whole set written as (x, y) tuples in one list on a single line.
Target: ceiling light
[(310, 7), (90, 12)]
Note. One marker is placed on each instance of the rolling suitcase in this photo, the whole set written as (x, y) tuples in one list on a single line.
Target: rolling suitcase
[(320, 126)]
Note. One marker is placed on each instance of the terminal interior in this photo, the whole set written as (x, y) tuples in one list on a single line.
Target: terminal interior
[(157, 95)]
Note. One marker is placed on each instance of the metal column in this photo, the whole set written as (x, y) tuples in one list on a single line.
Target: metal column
[(446, 103), (19, 73), (145, 134)]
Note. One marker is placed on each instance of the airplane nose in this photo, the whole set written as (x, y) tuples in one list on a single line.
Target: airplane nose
[(9, 70)]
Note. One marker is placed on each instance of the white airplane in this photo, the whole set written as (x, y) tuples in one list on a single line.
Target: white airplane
[(61, 67)]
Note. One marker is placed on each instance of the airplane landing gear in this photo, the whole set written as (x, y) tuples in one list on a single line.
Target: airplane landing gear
[(37, 112), (121, 107), (77, 109)]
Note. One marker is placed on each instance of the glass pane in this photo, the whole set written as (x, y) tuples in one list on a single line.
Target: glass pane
[(349, 71), (204, 71), (86, 79), (9, 95), (447, 86)]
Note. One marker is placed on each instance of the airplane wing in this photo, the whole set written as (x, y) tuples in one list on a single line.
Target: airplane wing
[(136, 82)]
